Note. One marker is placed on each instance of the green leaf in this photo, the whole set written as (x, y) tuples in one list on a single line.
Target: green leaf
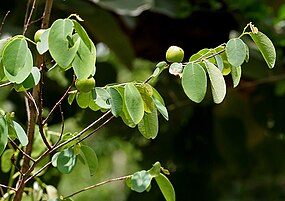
[(42, 45), (219, 62), (116, 101), (83, 35), (134, 103), (3, 134), (155, 170), (159, 103), (199, 55), (141, 181), (148, 126), (91, 158), (146, 94), (83, 99), (71, 97), (66, 161), (176, 69), (31, 81), (218, 85), (84, 61), (194, 82), (266, 47), (59, 46), (6, 163), (17, 60), (236, 75), (247, 52), (54, 159), (165, 187), (102, 98), (21, 134), (236, 51)]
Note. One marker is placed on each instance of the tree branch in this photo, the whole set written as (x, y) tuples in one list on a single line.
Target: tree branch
[(3, 21), (96, 185)]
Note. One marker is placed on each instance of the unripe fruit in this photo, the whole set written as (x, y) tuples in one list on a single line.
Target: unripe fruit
[(85, 85), (38, 35), (174, 54)]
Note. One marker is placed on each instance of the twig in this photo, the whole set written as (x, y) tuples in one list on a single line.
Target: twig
[(8, 187), (24, 153), (3, 21), (38, 172), (96, 185), (62, 126), (31, 98), (27, 20), (5, 84), (95, 130), (58, 103)]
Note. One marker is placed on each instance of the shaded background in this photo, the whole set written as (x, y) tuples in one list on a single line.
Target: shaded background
[(232, 151)]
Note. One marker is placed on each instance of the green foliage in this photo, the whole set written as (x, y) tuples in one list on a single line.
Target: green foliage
[(65, 161), (90, 158), (165, 187), (3, 133)]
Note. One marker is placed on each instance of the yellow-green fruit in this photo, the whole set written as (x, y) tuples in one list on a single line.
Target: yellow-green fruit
[(174, 54), (85, 85), (38, 35)]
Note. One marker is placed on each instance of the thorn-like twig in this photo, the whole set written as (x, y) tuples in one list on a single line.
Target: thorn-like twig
[(28, 17), (3, 21)]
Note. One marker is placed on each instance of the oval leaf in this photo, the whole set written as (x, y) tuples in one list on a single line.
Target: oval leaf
[(236, 51), (102, 98), (58, 44), (17, 60), (266, 47), (116, 101), (21, 134), (31, 81), (218, 84), (42, 45), (6, 163), (194, 82), (83, 99), (140, 181), (165, 187), (3, 134), (66, 161), (148, 126), (236, 75), (134, 103), (84, 61), (91, 158)]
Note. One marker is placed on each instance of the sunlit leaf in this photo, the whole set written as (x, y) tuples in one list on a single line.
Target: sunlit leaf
[(17, 60), (116, 101), (165, 187), (134, 103), (236, 75), (102, 98), (71, 98), (148, 126), (21, 134), (194, 82), (146, 94), (66, 161), (236, 51), (155, 170), (59, 46), (219, 62), (266, 47), (141, 181), (31, 81), (42, 45), (176, 69), (159, 103), (83, 99), (83, 35), (218, 84)]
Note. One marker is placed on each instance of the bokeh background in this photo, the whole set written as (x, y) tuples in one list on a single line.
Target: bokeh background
[(233, 151)]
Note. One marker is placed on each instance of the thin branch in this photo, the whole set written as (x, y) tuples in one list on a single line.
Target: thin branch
[(62, 125), (6, 84), (95, 130), (38, 172), (8, 187), (24, 153), (58, 103), (27, 20), (96, 185), (31, 98), (3, 21)]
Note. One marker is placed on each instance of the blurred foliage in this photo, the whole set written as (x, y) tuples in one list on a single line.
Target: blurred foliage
[(231, 151)]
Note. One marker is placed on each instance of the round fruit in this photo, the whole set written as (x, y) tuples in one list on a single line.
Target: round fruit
[(38, 34), (85, 85), (174, 54)]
